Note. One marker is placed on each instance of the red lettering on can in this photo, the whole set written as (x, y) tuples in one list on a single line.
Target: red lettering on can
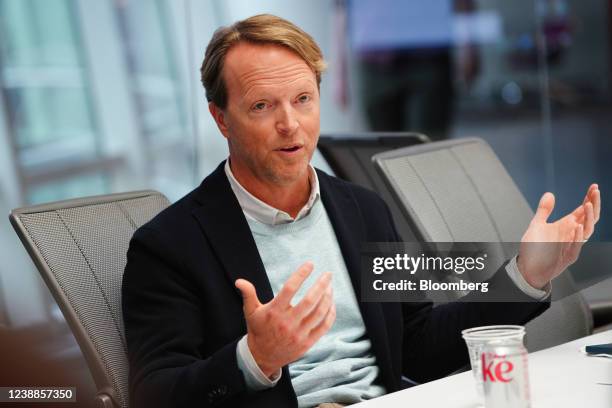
[(496, 371), (486, 369), (500, 370)]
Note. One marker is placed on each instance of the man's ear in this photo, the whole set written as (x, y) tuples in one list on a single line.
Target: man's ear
[(220, 119)]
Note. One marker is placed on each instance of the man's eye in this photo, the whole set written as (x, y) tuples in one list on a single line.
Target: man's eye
[(259, 106), (304, 98)]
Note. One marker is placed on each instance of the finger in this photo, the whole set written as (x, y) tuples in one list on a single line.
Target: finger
[(578, 213), (593, 197), (313, 297), (589, 220), (590, 190), (575, 247), (579, 233), (250, 302), (545, 208), (318, 314), (566, 233), (293, 284), (596, 200), (572, 235), (325, 324)]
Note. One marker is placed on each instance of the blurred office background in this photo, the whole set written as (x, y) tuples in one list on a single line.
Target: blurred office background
[(102, 96)]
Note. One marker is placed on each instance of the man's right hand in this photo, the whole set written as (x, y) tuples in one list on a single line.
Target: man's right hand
[(279, 333)]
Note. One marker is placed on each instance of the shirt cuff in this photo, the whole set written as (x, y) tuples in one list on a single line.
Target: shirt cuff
[(255, 379), (518, 279)]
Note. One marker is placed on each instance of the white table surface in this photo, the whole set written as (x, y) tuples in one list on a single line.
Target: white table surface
[(560, 376)]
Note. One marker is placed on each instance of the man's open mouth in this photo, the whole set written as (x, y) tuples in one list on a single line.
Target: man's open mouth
[(290, 148)]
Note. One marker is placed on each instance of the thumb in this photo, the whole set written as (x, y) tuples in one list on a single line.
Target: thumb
[(249, 296), (545, 207)]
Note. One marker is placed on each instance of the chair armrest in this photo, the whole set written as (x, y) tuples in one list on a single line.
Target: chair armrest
[(104, 400)]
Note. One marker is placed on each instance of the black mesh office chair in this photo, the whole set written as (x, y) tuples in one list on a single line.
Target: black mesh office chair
[(459, 191), (79, 247)]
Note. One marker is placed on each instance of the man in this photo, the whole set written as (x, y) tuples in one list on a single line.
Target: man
[(220, 301)]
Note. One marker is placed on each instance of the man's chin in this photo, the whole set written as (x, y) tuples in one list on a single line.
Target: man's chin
[(289, 175)]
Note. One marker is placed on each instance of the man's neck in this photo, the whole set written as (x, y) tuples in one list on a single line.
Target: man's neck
[(290, 198)]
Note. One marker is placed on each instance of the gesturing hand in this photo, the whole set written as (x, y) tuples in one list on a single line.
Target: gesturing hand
[(547, 249), (279, 333)]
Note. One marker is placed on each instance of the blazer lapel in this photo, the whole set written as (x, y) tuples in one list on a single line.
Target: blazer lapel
[(348, 223), (228, 232)]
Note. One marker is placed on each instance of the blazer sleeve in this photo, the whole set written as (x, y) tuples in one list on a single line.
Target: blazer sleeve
[(164, 334), (432, 346)]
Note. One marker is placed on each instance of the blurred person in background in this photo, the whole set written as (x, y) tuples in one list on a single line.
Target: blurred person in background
[(408, 55)]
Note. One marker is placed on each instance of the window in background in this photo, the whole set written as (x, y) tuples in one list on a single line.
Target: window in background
[(157, 92), (45, 89), (80, 186)]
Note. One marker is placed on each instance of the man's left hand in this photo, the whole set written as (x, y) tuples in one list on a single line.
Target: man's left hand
[(547, 249)]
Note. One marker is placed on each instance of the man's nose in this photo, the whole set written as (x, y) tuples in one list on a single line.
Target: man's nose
[(286, 121)]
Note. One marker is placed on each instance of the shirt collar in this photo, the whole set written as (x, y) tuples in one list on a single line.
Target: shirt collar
[(265, 213)]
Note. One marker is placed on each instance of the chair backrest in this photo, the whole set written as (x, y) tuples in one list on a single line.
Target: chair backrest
[(459, 191), (350, 157), (79, 247)]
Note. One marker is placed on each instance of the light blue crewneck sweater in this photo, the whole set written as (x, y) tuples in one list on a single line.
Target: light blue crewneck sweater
[(340, 367)]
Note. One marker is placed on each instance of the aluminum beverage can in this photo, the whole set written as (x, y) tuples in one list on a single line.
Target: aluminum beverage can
[(505, 376)]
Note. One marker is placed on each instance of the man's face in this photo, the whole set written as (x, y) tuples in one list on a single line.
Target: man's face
[(271, 119)]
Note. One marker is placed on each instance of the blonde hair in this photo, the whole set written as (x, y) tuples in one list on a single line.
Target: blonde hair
[(259, 29)]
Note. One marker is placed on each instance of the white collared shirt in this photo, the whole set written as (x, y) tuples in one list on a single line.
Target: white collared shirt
[(255, 208)]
